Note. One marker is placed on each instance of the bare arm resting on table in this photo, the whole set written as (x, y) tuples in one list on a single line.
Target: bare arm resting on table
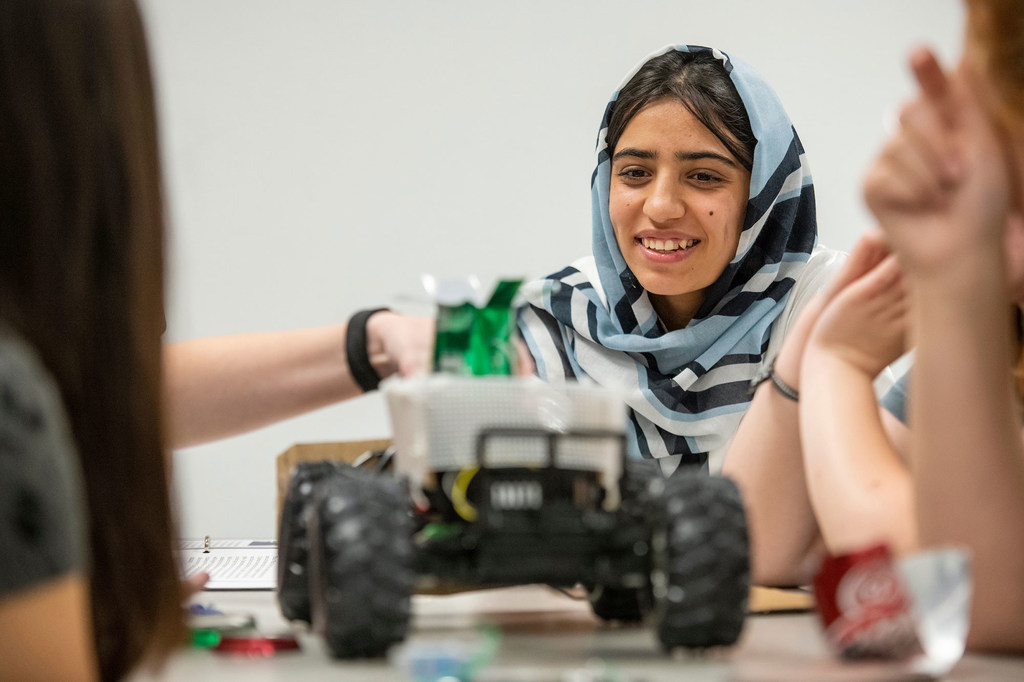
[(766, 457), (223, 386), (765, 461), (860, 487)]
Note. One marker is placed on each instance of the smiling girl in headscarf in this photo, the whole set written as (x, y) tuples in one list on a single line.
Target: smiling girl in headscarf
[(704, 251)]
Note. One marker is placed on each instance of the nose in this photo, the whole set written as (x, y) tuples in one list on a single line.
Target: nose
[(665, 202)]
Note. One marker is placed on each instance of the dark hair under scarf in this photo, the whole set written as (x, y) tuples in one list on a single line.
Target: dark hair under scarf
[(698, 81)]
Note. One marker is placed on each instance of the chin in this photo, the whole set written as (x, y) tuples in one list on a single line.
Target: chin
[(661, 284)]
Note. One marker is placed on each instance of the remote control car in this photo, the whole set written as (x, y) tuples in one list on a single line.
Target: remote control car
[(502, 481)]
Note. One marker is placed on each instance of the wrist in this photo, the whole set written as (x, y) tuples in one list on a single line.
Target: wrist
[(820, 356), (789, 359), (960, 275), (364, 348), (787, 368), (768, 375), (967, 294), (379, 328)]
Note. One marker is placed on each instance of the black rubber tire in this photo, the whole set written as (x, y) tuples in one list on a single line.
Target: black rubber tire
[(623, 604), (293, 537), (361, 556), (628, 604), (636, 480), (701, 576)]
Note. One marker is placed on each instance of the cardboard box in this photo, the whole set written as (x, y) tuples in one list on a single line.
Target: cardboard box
[(346, 451)]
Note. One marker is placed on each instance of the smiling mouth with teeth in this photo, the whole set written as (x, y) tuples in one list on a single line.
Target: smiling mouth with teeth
[(667, 245)]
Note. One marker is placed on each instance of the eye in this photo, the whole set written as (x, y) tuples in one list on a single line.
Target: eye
[(705, 177), (633, 174)]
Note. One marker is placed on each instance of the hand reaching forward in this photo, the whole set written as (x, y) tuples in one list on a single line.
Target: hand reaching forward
[(400, 344), (405, 345), (941, 186)]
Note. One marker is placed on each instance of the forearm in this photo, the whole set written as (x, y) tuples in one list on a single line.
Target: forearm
[(969, 464), (222, 386), (766, 462), (860, 490)]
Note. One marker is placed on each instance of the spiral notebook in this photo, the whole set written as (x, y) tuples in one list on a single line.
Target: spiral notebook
[(233, 564)]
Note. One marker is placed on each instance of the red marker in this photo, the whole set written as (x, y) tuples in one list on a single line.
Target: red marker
[(256, 646)]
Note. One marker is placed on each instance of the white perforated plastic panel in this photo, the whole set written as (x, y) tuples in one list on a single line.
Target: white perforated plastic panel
[(436, 422)]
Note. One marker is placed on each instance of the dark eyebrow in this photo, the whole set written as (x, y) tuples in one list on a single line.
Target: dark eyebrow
[(680, 156), (635, 153), (697, 156)]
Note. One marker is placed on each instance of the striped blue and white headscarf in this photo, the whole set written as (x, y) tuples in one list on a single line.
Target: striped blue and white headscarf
[(686, 389)]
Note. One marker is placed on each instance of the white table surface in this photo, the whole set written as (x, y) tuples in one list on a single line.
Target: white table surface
[(545, 637)]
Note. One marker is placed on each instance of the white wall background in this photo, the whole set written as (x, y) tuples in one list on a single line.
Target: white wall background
[(320, 155)]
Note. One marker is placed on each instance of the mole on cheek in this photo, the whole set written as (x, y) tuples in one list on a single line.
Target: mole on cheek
[(711, 213)]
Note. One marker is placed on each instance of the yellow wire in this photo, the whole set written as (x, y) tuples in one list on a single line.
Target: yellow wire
[(459, 487)]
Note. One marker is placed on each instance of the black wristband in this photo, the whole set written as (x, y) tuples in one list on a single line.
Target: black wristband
[(781, 387), (355, 350), (784, 389)]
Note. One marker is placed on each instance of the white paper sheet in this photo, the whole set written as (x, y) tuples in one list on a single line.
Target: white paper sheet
[(233, 564)]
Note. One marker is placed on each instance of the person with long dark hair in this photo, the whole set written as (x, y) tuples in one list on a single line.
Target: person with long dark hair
[(89, 588)]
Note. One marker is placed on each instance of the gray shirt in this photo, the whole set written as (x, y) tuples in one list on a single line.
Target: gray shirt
[(42, 520)]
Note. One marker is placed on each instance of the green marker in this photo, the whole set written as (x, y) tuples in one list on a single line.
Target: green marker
[(205, 639)]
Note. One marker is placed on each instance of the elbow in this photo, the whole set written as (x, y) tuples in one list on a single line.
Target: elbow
[(784, 567), (783, 574)]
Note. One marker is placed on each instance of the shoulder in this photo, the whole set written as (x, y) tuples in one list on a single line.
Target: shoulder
[(41, 528), (580, 275), (815, 275), (821, 267)]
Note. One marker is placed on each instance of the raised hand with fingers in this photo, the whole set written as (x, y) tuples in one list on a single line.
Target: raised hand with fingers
[(941, 183)]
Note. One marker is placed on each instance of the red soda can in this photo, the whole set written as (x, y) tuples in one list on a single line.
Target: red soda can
[(864, 606)]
